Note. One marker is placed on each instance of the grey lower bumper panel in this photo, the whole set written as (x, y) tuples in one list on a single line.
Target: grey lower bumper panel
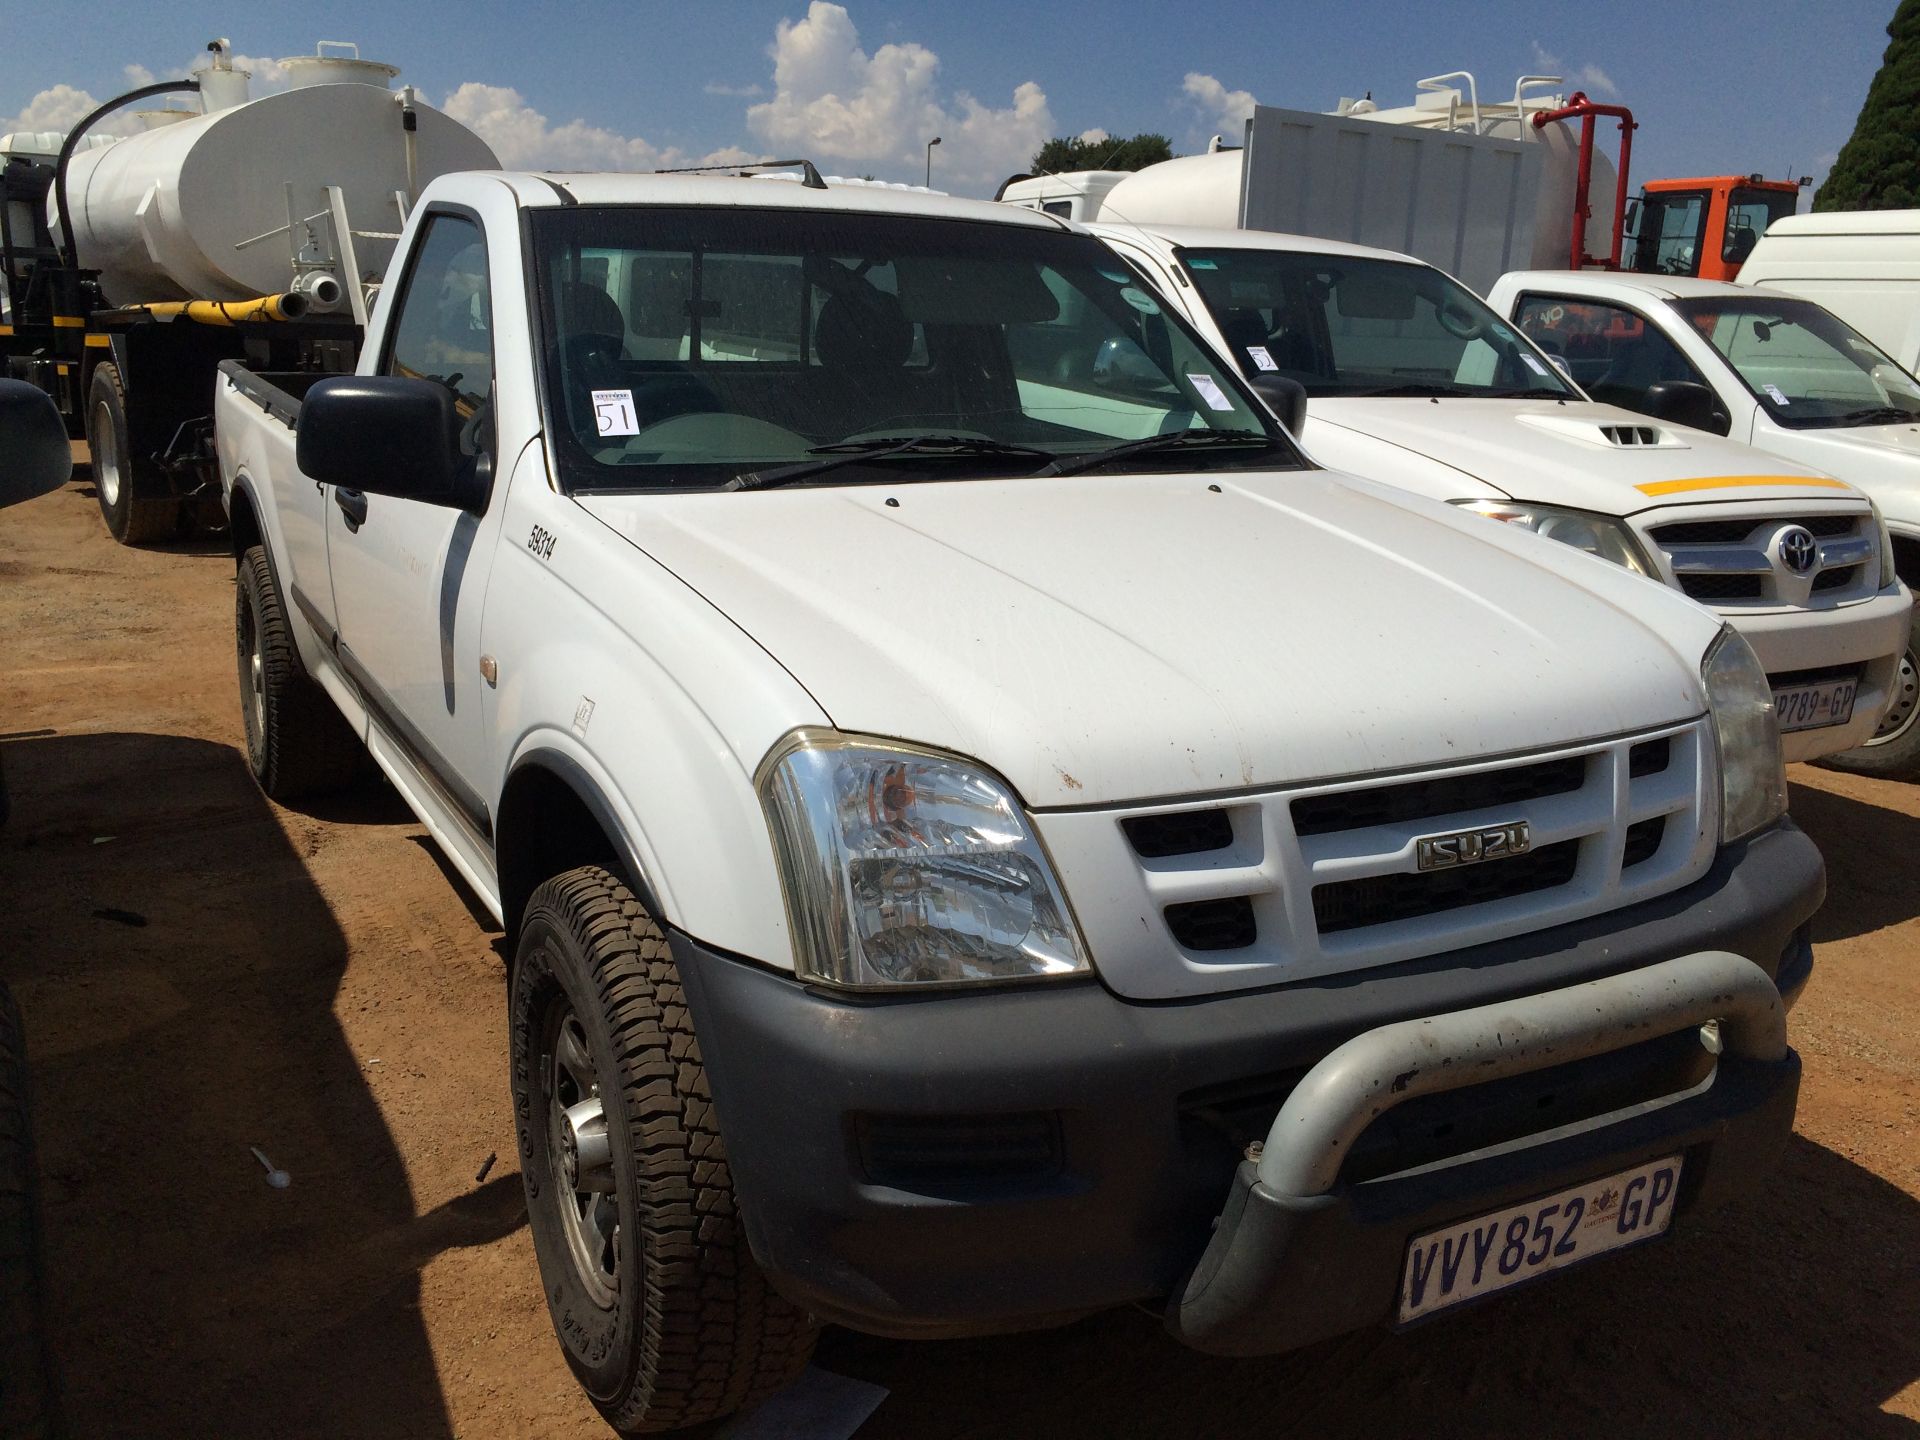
[(1295, 1258)]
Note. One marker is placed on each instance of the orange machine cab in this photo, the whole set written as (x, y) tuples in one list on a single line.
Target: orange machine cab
[(1704, 227)]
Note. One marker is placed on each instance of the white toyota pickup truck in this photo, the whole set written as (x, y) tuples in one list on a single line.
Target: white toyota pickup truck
[(1783, 374), (1410, 378), (984, 838)]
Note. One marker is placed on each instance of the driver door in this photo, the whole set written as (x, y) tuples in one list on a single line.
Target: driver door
[(409, 578)]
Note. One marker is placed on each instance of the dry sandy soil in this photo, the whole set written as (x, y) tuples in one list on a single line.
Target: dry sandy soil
[(314, 983)]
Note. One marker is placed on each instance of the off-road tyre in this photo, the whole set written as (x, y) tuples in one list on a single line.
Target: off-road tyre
[(298, 743), (133, 496), (1894, 752), (27, 1398), (692, 1332)]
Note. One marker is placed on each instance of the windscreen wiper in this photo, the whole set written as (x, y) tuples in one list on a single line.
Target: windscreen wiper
[(1173, 440), (1878, 415), (853, 452), (1532, 392), (1412, 387)]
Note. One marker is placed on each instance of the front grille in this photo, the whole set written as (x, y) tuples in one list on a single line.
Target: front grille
[(1178, 832), (1724, 587), (1423, 799), (1732, 532), (1324, 879), (1837, 578), (1213, 924), (1382, 899)]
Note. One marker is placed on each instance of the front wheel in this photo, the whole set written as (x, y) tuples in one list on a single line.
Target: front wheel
[(663, 1315), (1894, 751)]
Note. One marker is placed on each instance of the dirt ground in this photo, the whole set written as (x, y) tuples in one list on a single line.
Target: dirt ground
[(202, 972)]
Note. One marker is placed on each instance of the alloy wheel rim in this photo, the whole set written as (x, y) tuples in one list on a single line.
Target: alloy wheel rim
[(580, 1158)]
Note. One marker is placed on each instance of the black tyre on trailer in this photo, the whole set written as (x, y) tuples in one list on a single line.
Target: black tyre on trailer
[(135, 499), (28, 1409), (657, 1302), (298, 743)]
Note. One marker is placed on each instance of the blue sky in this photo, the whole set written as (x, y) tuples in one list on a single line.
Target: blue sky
[(1771, 85)]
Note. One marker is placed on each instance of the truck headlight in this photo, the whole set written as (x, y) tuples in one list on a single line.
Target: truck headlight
[(905, 866), (1753, 782), (1599, 535), (1887, 573)]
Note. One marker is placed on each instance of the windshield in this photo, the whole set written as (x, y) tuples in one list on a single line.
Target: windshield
[(1359, 326), (1808, 367), (712, 347)]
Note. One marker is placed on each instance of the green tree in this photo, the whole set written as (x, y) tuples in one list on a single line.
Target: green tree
[(1879, 166), (1134, 152)]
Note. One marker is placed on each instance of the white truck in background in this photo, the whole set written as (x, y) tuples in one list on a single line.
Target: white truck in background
[(1409, 377), (866, 703), (1863, 265), (1776, 371), (242, 227)]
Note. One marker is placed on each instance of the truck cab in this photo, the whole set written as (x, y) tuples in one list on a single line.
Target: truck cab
[(1408, 374), (1784, 375), (1704, 227), (985, 829)]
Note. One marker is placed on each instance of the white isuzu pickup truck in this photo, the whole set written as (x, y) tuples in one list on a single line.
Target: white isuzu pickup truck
[(1782, 374), (984, 836), (1410, 378)]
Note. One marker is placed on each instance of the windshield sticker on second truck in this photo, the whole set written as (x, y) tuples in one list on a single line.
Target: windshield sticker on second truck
[(1778, 397), (1208, 389), (1258, 354), (613, 413), (1533, 364)]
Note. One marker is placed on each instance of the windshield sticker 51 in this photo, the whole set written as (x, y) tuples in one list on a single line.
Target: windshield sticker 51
[(613, 413), (1209, 390)]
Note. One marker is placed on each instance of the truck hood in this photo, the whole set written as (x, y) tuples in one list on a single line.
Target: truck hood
[(1883, 460), (1556, 454), (1102, 638)]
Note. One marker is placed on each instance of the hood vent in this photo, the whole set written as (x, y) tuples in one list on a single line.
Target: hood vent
[(1623, 434)]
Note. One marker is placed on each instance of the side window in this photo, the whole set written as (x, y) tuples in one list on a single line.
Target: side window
[(1613, 353), (444, 328)]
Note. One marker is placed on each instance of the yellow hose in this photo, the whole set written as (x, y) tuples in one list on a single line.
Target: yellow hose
[(228, 312)]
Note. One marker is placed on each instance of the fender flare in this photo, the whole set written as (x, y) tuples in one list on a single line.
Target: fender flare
[(573, 775)]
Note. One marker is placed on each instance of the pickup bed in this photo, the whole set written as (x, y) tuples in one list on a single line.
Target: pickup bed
[(984, 834)]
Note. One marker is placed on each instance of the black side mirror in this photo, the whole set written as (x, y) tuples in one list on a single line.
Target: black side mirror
[(388, 435), (1286, 397), (1685, 402), (35, 458)]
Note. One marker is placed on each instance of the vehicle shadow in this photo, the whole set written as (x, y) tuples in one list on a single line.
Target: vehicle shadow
[(1790, 1313), (179, 983), (1872, 854)]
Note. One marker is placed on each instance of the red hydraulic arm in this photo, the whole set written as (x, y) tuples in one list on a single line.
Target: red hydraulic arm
[(1588, 112)]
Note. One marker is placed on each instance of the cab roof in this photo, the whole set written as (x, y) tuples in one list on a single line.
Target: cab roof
[(1622, 282)]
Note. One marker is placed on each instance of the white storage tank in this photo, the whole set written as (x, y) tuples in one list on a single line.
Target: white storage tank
[(165, 215)]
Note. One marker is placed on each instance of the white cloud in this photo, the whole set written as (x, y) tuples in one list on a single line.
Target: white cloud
[(1220, 108), (833, 101), (1094, 136), (137, 75), (525, 139), (715, 87), (58, 108), (1594, 78), (1587, 77)]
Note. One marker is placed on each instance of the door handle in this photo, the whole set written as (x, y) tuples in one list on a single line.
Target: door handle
[(353, 505)]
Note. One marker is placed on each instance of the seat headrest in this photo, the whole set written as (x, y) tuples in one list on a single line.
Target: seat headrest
[(588, 310), (866, 330)]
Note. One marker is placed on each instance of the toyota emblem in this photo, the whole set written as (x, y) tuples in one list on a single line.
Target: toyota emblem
[(1799, 550)]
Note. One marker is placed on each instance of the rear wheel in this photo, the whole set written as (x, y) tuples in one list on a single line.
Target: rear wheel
[(26, 1365), (663, 1316), (1894, 751), (298, 743), (132, 498)]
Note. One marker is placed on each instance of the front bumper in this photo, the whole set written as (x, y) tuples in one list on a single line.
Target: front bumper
[(1871, 634), (991, 1161)]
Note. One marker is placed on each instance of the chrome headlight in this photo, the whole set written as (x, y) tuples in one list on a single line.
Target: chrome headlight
[(905, 866), (1887, 573), (1600, 535), (1753, 781)]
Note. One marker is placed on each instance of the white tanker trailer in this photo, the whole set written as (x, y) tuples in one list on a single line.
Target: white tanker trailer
[(247, 229)]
